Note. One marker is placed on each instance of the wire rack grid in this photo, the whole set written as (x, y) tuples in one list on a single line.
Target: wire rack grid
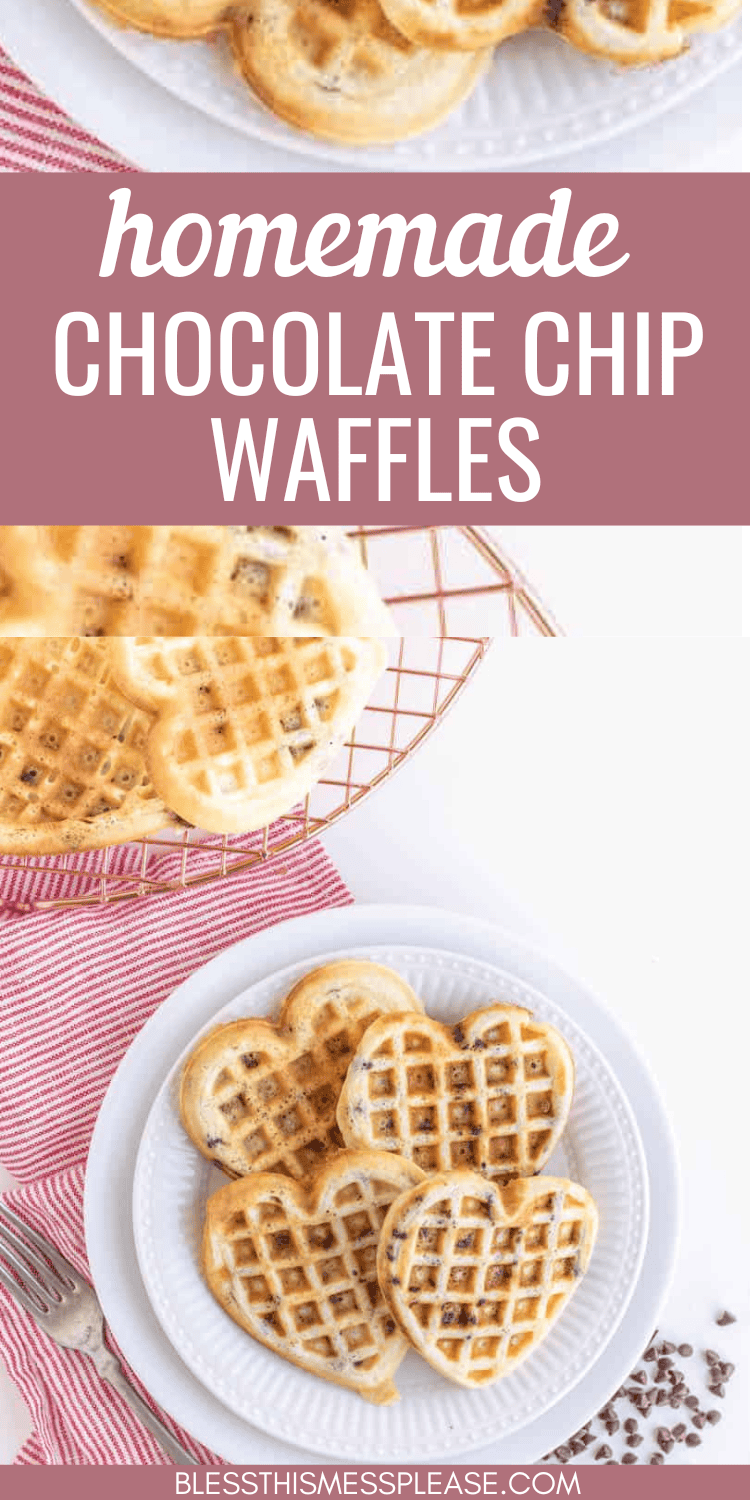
[(452, 580), (433, 578)]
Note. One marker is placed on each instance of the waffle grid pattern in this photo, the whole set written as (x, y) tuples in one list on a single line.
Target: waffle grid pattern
[(186, 580), (355, 38), (280, 1111), (490, 1109), (310, 1282), (71, 746), (480, 1293)]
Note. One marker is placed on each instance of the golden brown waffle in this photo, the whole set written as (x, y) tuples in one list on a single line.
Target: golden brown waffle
[(72, 769), (463, 25), (259, 1096), (341, 70), (294, 1265), (491, 1094), (245, 725), (639, 31), (476, 1274), (189, 580), (172, 18)]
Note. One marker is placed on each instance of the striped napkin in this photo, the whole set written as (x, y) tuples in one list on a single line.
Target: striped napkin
[(36, 136), (76, 986)]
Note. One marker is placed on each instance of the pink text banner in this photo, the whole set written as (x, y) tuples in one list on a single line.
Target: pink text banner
[(374, 349)]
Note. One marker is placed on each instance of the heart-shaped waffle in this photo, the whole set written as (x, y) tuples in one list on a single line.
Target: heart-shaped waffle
[(72, 769), (344, 72), (476, 1274), (491, 1094), (259, 1096), (638, 31), (295, 1265), (245, 725)]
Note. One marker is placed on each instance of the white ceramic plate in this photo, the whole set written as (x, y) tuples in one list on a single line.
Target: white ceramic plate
[(600, 1149), (153, 1053), (111, 1164), (540, 99)]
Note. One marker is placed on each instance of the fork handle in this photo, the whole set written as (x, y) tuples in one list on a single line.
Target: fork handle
[(110, 1370)]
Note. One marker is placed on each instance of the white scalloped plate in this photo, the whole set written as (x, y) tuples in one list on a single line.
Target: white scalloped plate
[(539, 97), (601, 1148)]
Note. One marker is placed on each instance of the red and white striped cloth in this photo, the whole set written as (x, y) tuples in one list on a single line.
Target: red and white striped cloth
[(36, 136), (76, 986)]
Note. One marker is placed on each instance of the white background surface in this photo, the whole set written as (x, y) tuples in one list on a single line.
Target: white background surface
[(591, 796), (633, 580)]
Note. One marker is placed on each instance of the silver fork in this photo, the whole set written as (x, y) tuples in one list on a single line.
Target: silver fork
[(67, 1308)]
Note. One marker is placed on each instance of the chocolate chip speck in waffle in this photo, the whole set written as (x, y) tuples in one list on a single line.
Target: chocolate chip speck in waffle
[(295, 1265), (476, 1274), (262, 1096), (491, 1094)]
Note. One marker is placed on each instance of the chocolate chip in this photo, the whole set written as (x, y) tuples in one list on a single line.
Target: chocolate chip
[(725, 1318), (576, 1446), (713, 1417), (630, 1425), (661, 1398), (656, 1458), (679, 1431), (588, 1437), (664, 1439), (629, 1458), (606, 1414), (717, 1390), (727, 1371), (639, 1377), (613, 1427), (635, 1440), (712, 1357), (699, 1420), (692, 1440), (650, 1353), (604, 1452), (563, 1453), (668, 1348), (665, 1363), (685, 1350), (675, 1403), (692, 1402)]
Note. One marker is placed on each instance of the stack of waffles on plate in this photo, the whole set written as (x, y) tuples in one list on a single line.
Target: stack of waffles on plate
[(150, 675), (386, 1191), (375, 71)]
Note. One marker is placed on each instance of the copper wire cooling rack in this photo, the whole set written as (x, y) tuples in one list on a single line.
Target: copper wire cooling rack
[(438, 581), (452, 580)]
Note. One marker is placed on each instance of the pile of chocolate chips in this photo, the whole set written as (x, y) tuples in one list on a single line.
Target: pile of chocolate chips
[(657, 1382)]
